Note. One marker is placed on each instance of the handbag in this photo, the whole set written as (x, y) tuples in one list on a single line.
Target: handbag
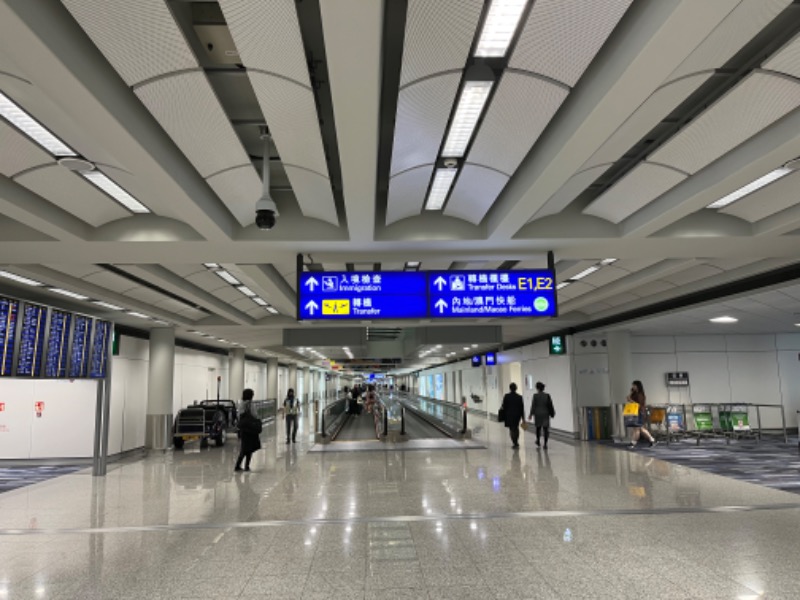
[(501, 415), (630, 414), (551, 410)]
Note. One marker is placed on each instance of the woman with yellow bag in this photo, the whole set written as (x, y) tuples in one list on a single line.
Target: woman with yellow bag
[(633, 413)]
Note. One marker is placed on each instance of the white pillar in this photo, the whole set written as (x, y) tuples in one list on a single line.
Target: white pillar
[(292, 382), (161, 375), (307, 387), (620, 369), (272, 379), (236, 384)]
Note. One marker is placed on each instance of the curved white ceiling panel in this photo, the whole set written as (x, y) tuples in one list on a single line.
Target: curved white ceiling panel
[(71, 192), (187, 108), (238, 188), (267, 35), (787, 60), (292, 119), (140, 39), (407, 193), (757, 102), (474, 193), (313, 192), (422, 113), (562, 37), (18, 153), (439, 34), (638, 188), (767, 201), (652, 111), (521, 108), (569, 191), (745, 21)]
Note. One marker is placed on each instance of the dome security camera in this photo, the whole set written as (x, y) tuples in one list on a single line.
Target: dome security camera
[(266, 213)]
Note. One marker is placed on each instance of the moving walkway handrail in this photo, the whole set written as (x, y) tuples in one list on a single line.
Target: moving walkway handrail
[(454, 421), (335, 415)]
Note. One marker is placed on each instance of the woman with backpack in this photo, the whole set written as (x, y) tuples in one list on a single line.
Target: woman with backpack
[(250, 432), (542, 410)]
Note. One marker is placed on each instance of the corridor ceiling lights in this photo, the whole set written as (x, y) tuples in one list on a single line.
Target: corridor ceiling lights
[(260, 301), (470, 106), (724, 319), (563, 284), (272, 310), (29, 126), (412, 265), (608, 261), (585, 272), (139, 315), (228, 277), (69, 294), (101, 181), (440, 188), (499, 28), (109, 306), (20, 278), (756, 185), (246, 291), (211, 265)]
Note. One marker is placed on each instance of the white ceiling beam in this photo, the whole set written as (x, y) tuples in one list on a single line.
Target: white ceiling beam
[(278, 291), (353, 33), (649, 43)]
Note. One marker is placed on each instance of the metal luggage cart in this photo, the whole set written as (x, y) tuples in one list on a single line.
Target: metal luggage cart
[(666, 421), (735, 421)]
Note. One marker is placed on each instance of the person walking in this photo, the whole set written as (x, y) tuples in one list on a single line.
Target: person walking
[(249, 430), (542, 410), (513, 413), (637, 395), (291, 409)]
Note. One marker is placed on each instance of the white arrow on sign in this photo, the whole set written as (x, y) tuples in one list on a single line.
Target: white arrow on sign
[(312, 282), (439, 282), (311, 306), (441, 305)]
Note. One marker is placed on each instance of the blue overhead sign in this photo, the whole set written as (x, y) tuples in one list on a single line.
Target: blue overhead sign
[(492, 294), (420, 295)]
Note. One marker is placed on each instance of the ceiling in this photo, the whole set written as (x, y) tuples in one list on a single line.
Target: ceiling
[(607, 128)]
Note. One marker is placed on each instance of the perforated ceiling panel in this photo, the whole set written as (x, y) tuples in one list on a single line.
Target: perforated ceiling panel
[(189, 111), (562, 37), (757, 102), (746, 20), (438, 37), (422, 113), (653, 110), (267, 35), (474, 193), (314, 194), (71, 192), (569, 191), (637, 189), (140, 39), (238, 188), (520, 110), (407, 193), (787, 60), (18, 153), (768, 200)]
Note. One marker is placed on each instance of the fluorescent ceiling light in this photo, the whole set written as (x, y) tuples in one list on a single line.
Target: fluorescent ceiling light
[(246, 291), (751, 187), (412, 264), (228, 277), (107, 305), (68, 293), (442, 182), (211, 265), (272, 309), (608, 261), (563, 284), (470, 106), (260, 301), (500, 25), (140, 315), (101, 181), (20, 119), (20, 278), (585, 272), (724, 319), (162, 322)]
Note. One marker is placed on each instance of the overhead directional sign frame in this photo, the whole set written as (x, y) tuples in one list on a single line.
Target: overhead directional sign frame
[(398, 295)]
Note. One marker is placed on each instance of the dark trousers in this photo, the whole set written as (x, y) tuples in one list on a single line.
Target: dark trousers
[(539, 434), (246, 456), (291, 424), (514, 432)]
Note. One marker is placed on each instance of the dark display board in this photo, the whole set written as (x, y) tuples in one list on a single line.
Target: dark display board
[(79, 353), (8, 328), (102, 337), (57, 344), (31, 341)]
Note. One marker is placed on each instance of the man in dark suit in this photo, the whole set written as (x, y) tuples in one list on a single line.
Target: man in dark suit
[(513, 409)]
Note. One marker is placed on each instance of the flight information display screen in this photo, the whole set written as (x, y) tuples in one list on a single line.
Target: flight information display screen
[(8, 328), (102, 336), (79, 352), (57, 344), (31, 343)]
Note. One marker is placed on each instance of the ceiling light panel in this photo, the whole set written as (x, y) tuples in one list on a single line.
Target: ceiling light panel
[(102, 181), (499, 28), (108, 306), (422, 113), (69, 191), (20, 278), (425, 50), (407, 193), (69, 294), (586, 272), (751, 187), (140, 39), (754, 104), (636, 189), (469, 108), (786, 60), (521, 108), (475, 192), (585, 23), (225, 276), (773, 198), (440, 188), (29, 126)]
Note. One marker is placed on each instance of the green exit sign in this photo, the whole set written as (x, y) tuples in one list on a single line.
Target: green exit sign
[(558, 344)]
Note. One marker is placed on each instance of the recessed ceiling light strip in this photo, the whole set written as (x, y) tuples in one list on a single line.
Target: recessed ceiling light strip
[(29, 126), (440, 188), (751, 187), (20, 278), (101, 181)]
